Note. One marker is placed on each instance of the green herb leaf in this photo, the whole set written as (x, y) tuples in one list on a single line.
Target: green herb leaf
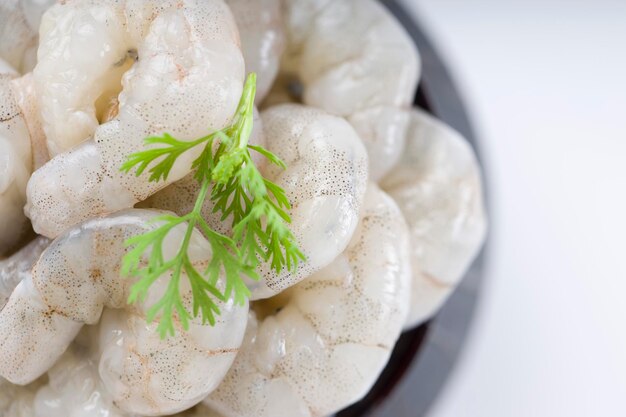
[(258, 209)]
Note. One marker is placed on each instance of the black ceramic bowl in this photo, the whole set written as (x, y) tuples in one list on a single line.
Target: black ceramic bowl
[(423, 358)]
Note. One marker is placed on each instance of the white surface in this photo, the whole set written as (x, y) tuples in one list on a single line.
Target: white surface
[(546, 83)]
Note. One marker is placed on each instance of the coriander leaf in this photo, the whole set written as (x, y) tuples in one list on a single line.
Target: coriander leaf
[(257, 207)]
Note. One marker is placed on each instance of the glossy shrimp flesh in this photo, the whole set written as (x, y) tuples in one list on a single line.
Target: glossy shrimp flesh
[(75, 278), (19, 28), (16, 165), (17, 267), (74, 387), (182, 73), (321, 345), (353, 59), (18, 401), (438, 186), (181, 196), (262, 33), (325, 182)]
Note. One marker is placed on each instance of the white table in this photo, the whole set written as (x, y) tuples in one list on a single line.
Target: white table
[(546, 85)]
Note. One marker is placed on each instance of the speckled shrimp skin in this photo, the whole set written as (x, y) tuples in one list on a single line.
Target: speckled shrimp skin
[(185, 78), (356, 61), (19, 28), (325, 181), (18, 401), (74, 279), (262, 33), (438, 186), (322, 344), (181, 196), (16, 165), (71, 388)]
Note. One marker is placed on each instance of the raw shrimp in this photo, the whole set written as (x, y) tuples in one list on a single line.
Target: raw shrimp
[(355, 60), (185, 78), (181, 196), (74, 387), (437, 185), (28, 101), (15, 166), (325, 181), (78, 275), (324, 342), (19, 28), (18, 266), (261, 28), (17, 401)]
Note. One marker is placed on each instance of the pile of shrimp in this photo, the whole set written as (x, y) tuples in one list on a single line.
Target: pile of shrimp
[(387, 203)]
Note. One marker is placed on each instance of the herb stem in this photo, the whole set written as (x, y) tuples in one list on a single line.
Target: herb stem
[(227, 176)]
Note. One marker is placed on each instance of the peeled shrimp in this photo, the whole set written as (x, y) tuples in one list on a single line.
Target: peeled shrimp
[(437, 185), (262, 39), (17, 401), (185, 78), (325, 181), (17, 267), (181, 196), (324, 342), (28, 101), (16, 166), (74, 387), (19, 28), (75, 278), (355, 60)]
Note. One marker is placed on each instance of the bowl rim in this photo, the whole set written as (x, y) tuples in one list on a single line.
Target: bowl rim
[(425, 357)]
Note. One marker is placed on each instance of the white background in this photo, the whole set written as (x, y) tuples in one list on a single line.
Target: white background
[(546, 85)]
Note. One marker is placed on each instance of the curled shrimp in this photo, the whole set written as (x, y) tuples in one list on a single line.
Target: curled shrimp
[(355, 60), (326, 173), (182, 72), (74, 386), (75, 278), (181, 196), (321, 345), (325, 181), (17, 401), (16, 165), (19, 28), (262, 39), (438, 186)]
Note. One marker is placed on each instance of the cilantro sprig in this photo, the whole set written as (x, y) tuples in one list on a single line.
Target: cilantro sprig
[(258, 208)]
